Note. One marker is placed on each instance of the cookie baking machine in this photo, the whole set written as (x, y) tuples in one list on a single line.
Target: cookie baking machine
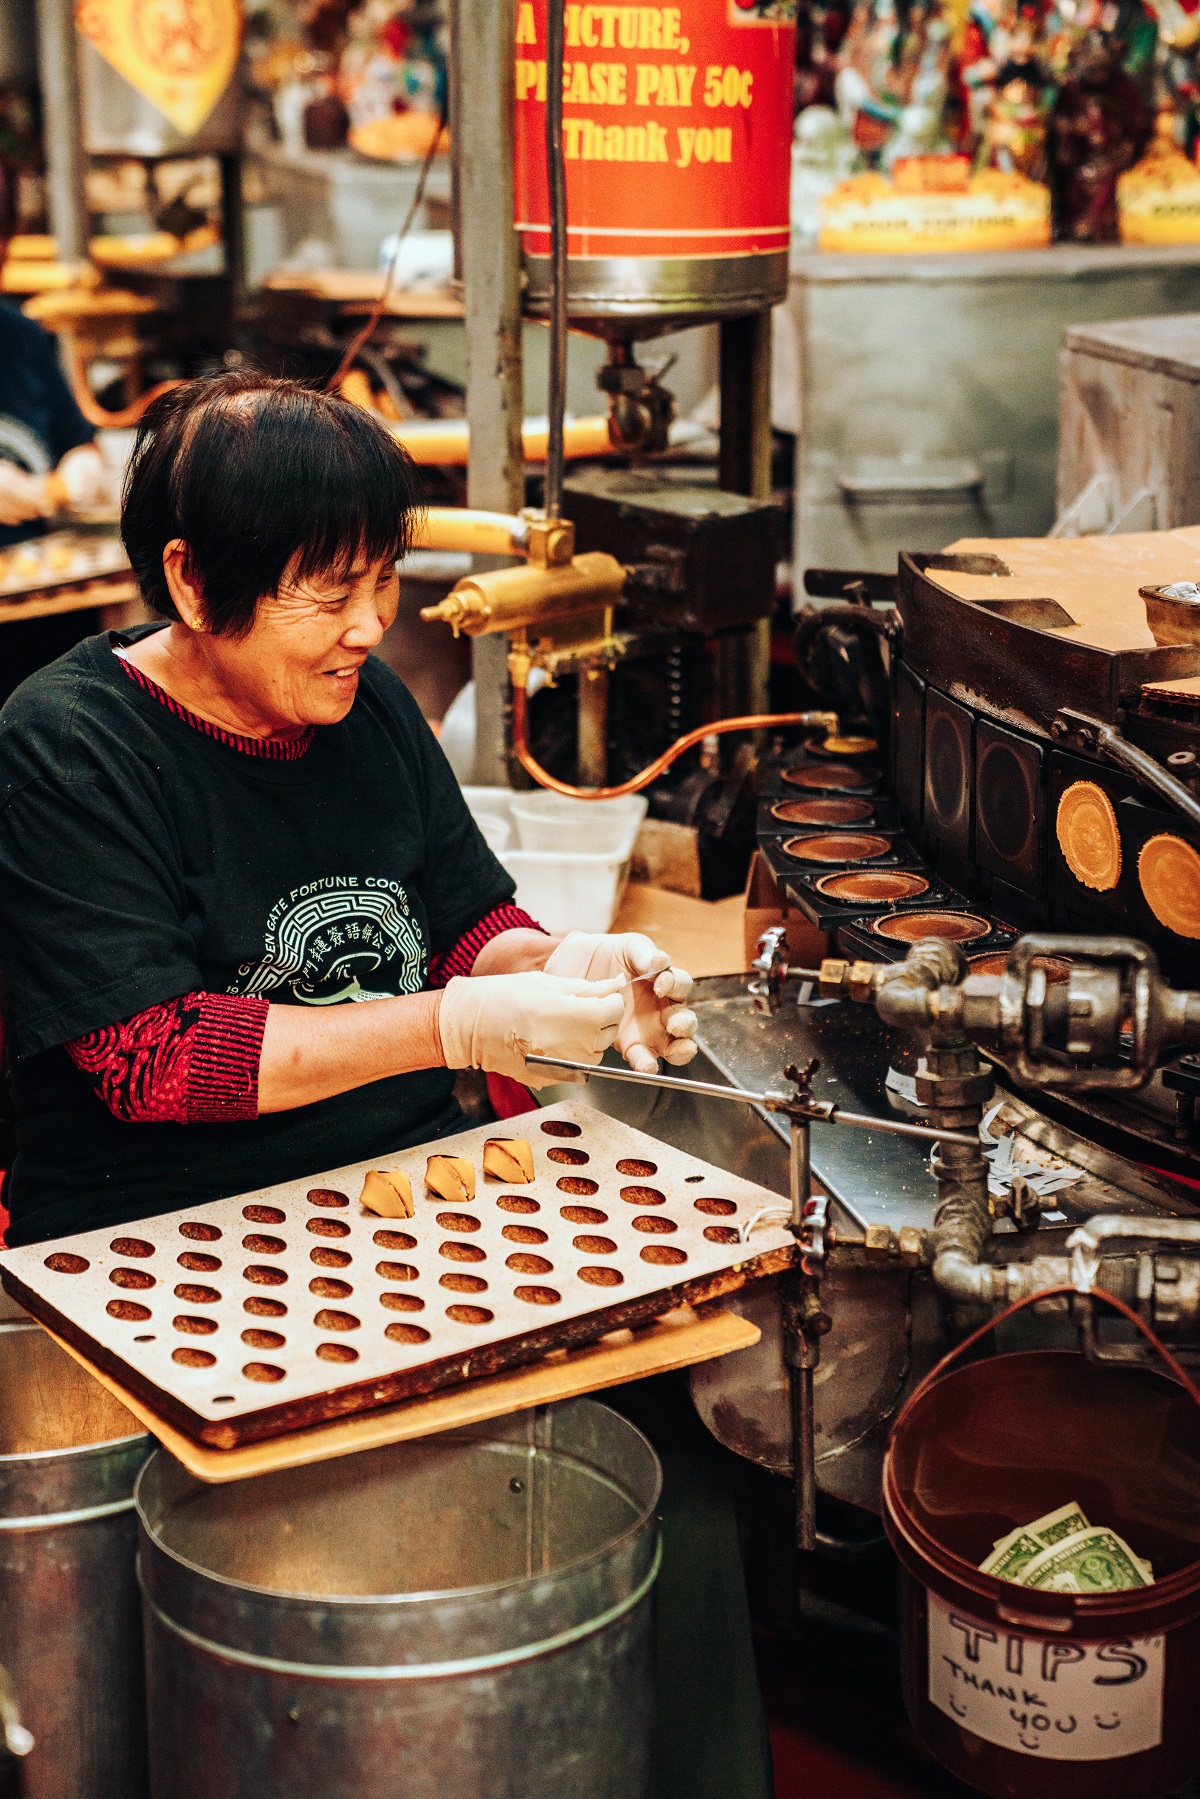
[(1001, 858)]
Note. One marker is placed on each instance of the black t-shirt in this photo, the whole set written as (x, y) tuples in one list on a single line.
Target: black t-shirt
[(39, 420), (141, 859)]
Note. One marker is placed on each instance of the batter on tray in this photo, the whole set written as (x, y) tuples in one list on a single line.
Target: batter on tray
[(248, 927)]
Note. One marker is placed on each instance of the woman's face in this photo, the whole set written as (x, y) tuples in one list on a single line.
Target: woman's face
[(299, 663)]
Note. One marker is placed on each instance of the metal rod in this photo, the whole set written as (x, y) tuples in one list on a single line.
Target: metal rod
[(1125, 755), (804, 1455), (799, 1169), (922, 1132), (773, 1102), (484, 45), (556, 182), (591, 757)]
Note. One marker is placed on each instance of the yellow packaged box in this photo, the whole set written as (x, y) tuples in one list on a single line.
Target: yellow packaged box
[(993, 211)]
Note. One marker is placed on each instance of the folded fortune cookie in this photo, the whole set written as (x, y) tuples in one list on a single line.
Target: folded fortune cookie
[(508, 1159), (388, 1193), (451, 1177)]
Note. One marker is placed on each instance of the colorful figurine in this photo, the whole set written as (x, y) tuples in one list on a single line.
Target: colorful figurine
[(1100, 125)]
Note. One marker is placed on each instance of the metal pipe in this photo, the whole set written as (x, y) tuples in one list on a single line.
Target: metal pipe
[(1106, 1226), (445, 443), (1078, 728), (744, 466), (1125, 755), (58, 70), (468, 528), (799, 1169), (803, 1451), (770, 721), (591, 727), (556, 183)]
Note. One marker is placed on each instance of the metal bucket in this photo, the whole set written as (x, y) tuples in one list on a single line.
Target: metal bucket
[(70, 1634), (466, 1615)]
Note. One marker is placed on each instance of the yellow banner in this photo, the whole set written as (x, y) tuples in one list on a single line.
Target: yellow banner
[(180, 54)]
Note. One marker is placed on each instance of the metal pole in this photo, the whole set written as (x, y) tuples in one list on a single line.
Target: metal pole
[(233, 213), (799, 1169), (484, 50), (804, 1454), (592, 727), (745, 377), (556, 187), (744, 657), (58, 69)]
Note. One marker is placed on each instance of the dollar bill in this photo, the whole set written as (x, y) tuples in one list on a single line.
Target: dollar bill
[(1054, 1526), (1095, 1560), (1012, 1553)]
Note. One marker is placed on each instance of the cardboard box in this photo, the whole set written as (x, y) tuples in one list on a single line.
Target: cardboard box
[(764, 907), (703, 936)]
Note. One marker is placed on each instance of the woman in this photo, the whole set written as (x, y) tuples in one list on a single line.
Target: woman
[(48, 461), (217, 833)]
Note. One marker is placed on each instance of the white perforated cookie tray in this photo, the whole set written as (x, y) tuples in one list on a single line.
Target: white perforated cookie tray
[(274, 1310)]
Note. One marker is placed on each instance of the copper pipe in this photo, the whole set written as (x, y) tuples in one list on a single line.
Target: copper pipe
[(467, 528), (770, 721), (93, 412), (444, 443)]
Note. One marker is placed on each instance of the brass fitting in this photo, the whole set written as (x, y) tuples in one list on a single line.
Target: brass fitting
[(854, 979), (912, 1243), (550, 543), (513, 599), (879, 1241)]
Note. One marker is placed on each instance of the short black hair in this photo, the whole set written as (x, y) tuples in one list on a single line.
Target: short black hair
[(253, 473)]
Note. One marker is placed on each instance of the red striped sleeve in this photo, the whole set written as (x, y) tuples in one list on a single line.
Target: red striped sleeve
[(461, 959), (193, 1060), (226, 1052)]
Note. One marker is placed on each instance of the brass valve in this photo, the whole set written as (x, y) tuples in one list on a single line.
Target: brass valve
[(855, 980), (515, 599), (549, 542)]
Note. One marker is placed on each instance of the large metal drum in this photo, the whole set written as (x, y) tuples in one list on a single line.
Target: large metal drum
[(677, 130), (70, 1634), (463, 1617)]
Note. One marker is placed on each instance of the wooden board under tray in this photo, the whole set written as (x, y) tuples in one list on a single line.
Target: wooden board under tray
[(679, 1339), (282, 1309)]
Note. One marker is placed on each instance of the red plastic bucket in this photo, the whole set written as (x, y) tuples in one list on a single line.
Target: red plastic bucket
[(1033, 1695)]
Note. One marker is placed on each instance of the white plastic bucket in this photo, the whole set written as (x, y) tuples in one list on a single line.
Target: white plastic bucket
[(556, 824), (565, 888)]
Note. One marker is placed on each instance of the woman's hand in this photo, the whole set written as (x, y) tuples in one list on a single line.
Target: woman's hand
[(494, 1021), (22, 496), (654, 1023)]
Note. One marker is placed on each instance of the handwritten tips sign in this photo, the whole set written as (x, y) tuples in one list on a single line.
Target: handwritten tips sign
[(1045, 1696)]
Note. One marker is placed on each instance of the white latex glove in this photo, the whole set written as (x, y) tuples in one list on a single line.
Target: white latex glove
[(494, 1021), (22, 497), (654, 1023), (82, 477)]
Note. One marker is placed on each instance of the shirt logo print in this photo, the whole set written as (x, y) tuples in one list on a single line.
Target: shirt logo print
[(338, 939)]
